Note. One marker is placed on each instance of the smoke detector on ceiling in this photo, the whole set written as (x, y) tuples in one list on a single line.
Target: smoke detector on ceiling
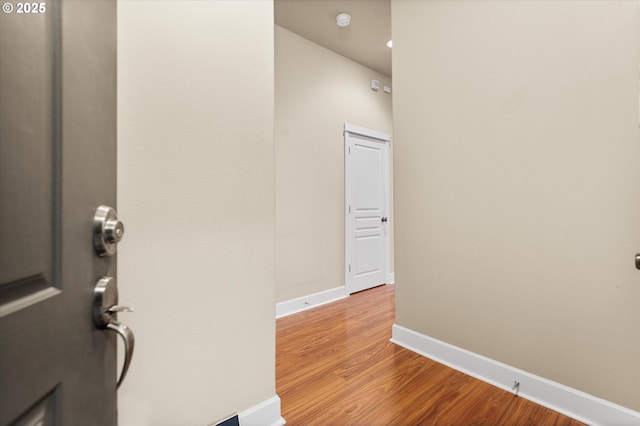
[(343, 20)]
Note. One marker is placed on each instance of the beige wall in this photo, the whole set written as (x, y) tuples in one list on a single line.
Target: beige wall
[(317, 91), (196, 193), (517, 167)]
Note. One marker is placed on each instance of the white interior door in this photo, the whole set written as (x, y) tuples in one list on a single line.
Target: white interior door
[(367, 207)]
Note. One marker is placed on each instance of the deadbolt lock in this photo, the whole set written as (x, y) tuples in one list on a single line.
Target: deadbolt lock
[(107, 231)]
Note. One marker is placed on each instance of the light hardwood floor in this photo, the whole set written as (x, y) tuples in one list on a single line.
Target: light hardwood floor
[(336, 366)]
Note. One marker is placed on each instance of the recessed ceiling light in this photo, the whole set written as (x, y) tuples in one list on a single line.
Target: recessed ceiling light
[(343, 20), (390, 44)]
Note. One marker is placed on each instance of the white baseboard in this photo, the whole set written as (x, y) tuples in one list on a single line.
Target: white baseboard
[(563, 399), (391, 278), (267, 413), (303, 303)]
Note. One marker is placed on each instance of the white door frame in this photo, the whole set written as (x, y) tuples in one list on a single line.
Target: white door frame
[(373, 136)]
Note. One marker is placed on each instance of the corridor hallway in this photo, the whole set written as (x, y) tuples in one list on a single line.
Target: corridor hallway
[(336, 366)]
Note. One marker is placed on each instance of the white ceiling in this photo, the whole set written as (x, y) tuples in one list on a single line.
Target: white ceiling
[(364, 41)]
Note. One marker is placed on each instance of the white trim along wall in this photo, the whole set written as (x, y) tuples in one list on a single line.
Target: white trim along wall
[(563, 399), (267, 413), (299, 304)]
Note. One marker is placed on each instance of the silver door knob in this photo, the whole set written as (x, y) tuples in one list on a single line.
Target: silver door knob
[(105, 308), (107, 231)]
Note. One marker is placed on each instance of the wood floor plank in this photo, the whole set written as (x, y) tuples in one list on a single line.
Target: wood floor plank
[(527, 413), (469, 409), (335, 365)]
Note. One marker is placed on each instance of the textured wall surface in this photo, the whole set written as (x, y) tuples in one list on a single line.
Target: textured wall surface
[(517, 162), (196, 193)]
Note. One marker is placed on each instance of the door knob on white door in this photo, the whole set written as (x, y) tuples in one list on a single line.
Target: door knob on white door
[(105, 308), (384, 219)]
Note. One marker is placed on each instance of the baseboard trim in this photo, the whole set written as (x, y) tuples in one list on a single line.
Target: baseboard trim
[(267, 413), (303, 303), (555, 396), (391, 278)]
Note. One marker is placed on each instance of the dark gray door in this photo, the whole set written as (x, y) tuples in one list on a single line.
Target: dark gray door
[(57, 165)]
